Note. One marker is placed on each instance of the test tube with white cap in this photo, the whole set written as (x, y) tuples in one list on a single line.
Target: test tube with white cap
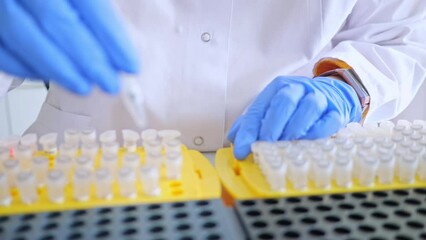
[(367, 170), (127, 182), (322, 173), (407, 133), (103, 183), (11, 167), (397, 139), (277, 175), (30, 139), (342, 169), (416, 137), (72, 136), (56, 181), (149, 135), (68, 149), (5, 196), (357, 159), (386, 169), (168, 135), (173, 145), (64, 164), (132, 160), (407, 168), (84, 162), (387, 127), (88, 135), (150, 178), (108, 136), (40, 166), (130, 139), (173, 164), (154, 159), (299, 173), (24, 154), (421, 169), (82, 184), (48, 142), (152, 146), (90, 150), (399, 153), (26, 183), (110, 147), (404, 123), (110, 162)]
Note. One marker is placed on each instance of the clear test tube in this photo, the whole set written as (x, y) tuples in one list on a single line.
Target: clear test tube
[(255, 150), (40, 166), (340, 141), (344, 133), (397, 130), (421, 169), (149, 135), (389, 145), (127, 182), (387, 127), (5, 197), (11, 167), (150, 178), (407, 143), (82, 182), (386, 169), (88, 135), (407, 168), (418, 124), (348, 148), (407, 133), (397, 139), (103, 183), (368, 170), (299, 173), (24, 154), (108, 136), (398, 153), (56, 181), (173, 164), (72, 136), (322, 173), (416, 137), (48, 142), (110, 147), (130, 140), (90, 150), (64, 164), (154, 159), (84, 162), (153, 146), (416, 150), (110, 162), (277, 175), (132, 160), (357, 159), (30, 139), (27, 187), (168, 135), (342, 169), (359, 140), (68, 149), (173, 145), (404, 123), (423, 132)]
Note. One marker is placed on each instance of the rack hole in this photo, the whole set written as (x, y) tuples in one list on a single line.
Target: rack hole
[(403, 237), (421, 211), (129, 209), (270, 201), (75, 236), (390, 203), (253, 213), (402, 213), (359, 195), (277, 211), (102, 234), (300, 210), (284, 222), (47, 237), (259, 224), (154, 207), (155, 217), (401, 192), (291, 234), (183, 227), (420, 191), (157, 229), (203, 203), (103, 221), (213, 237), (323, 208), (28, 217), (308, 220), (4, 219), (317, 232), (54, 215), (415, 224), (105, 210), (293, 200), (412, 201), (366, 228), (356, 216), (391, 226), (369, 205), (209, 225), (77, 224), (380, 194), (181, 215), (23, 228), (130, 231), (129, 219), (248, 203), (332, 218), (80, 213), (379, 215), (346, 206), (422, 236), (315, 198), (178, 205), (337, 197), (266, 236), (206, 213), (50, 226), (342, 230)]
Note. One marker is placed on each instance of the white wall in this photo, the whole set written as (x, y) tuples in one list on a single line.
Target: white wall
[(20, 107)]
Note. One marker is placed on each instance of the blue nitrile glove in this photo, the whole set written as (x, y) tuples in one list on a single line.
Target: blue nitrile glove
[(293, 107), (76, 43)]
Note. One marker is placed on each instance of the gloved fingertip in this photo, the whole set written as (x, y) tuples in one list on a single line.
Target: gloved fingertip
[(241, 153), (82, 89)]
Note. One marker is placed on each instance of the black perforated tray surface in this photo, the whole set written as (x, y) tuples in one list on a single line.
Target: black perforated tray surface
[(399, 215), (182, 220)]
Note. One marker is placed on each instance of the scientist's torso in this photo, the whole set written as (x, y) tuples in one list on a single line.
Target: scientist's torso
[(202, 63)]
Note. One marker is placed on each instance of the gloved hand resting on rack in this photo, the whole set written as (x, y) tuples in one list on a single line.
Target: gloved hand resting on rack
[(293, 107), (74, 43)]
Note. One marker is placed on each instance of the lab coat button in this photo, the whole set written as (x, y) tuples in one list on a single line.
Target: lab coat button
[(198, 141), (206, 37)]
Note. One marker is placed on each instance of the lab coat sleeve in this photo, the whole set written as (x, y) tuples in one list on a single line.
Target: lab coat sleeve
[(385, 43), (8, 83)]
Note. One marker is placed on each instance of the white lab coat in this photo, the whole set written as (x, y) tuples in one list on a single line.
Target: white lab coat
[(200, 85)]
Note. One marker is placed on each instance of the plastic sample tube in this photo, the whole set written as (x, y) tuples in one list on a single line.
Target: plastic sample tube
[(322, 173), (173, 145), (416, 137), (40, 166), (84, 162), (132, 160), (421, 169), (108, 136), (127, 182), (110, 147), (26, 183), (90, 150), (407, 168), (149, 135), (342, 170), (24, 154), (11, 167), (277, 175), (173, 164), (167, 135), (68, 149), (153, 146), (397, 139), (299, 173), (64, 164), (30, 139), (399, 153), (48, 143), (150, 178), (404, 123), (110, 162), (5, 197), (103, 183), (397, 130), (385, 171), (367, 171), (88, 135), (72, 136), (82, 184), (130, 139), (55, 183), (357, 159), (154, 159), (387, 127)]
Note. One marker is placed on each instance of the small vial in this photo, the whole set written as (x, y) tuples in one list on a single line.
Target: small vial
[(342, 170), (11, 167), (255, 150), (26, 183), (173, 165), (24, 153), (65, 165), (82, 184), (154, 159), (48, 143), (399, 152), (110, 162), (385, 171), (103, 183), (30, 139), (322, 173), (421, 169), (167, 135), (407, 168), (416, 137), (277, 176), (359, 140), (56, 181), (407, 133), (416, 150), (110, 147), (131, 160), (149, 135), (68, 149), (108, 136), (72, 136), (88, 135), (348, 148), (418, 124), (404, 123), (84, 162), (173, 145), (387, 127), (389, 145), (130, 140), (407, 143), (153, 146), (397, 139), (150, 178), (367, 171), (358, 158), (5, 197), (40, 166), (127, 182), (299, 172), (90, 150)]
